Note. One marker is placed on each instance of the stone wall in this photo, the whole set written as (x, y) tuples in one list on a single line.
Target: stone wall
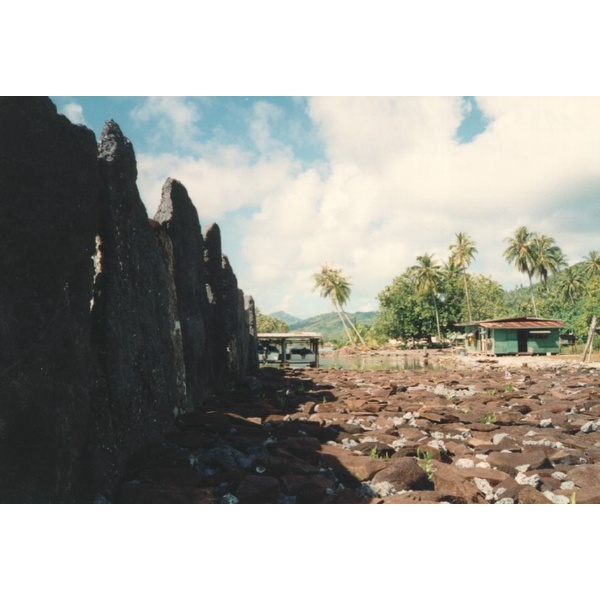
[(106, 330)]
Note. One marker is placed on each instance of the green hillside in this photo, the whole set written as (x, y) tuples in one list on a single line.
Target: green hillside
[(330, 326), (286, 318)]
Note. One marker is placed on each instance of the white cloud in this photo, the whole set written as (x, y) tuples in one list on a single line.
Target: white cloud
[(172, 118), (74, 112), (397, 185), (218, 183)]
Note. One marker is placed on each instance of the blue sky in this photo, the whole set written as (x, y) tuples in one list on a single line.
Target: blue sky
[(364, 183)]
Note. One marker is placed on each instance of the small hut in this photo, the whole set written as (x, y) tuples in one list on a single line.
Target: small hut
[(296, 349), (516, 335)]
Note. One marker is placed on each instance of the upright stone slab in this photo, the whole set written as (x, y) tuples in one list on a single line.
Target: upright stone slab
[(179, 218), (138, 379), (229, 321), (217, 327), (250, 332), (166, 249), (233, 310), (48, 222)]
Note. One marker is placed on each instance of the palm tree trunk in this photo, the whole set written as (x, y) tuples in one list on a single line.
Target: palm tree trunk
[(339, 311), (437, 320), (360, 337), (535, 314), (467, 296)]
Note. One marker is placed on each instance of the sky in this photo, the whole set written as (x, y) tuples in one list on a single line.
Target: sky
[(365, 183)]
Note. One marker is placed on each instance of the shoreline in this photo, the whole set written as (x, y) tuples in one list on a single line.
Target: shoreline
[(452, 359)]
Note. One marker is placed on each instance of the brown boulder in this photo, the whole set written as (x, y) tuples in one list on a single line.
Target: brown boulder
[(510, 461), (449, 481), (347, 465), (585, 476), (404, 474), (416, 497), (522, 494)]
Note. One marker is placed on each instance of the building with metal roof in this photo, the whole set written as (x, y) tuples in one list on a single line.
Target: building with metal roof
[(516, 335)]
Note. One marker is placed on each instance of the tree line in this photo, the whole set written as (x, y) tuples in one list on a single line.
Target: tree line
[(433, 295)]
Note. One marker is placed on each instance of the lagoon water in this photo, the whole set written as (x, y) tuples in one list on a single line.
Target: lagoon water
[(395, 362)]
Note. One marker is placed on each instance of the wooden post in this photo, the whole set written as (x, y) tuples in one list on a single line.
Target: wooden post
[(587, 351)]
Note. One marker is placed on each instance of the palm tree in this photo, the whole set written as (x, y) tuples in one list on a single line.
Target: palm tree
[(332, 284), (451, 270), (591, 264), (427, 275), (549, 258), (571, 284), (462, 253), (521, 253)]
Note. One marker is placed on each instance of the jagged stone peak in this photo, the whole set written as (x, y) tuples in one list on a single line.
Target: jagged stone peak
[(113, 145), (174, 187), (175, 200), (212, 240)]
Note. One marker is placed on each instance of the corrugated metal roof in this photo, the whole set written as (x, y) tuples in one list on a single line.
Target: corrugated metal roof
[(294, 335), (519, 323), (538, 324)]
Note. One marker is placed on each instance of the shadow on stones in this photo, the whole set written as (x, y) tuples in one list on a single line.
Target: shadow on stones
[(251, 444)]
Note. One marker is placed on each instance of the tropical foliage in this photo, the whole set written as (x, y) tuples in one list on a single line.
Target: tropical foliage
[(270, 324), (434, 295), (428, 280), (462, 253), (407, 313), (534, 254)]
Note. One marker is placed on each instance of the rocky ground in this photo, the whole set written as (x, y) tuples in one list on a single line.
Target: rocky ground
[(472, 430)]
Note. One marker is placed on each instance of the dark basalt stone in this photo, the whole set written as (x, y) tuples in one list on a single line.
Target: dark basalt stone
[(179, 218), (111, 325), (49, 206), (138, 378)]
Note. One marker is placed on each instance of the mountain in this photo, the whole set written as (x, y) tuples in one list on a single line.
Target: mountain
[(287, 319), (330, 326)]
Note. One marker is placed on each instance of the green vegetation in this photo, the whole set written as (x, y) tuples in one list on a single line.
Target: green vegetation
[(280, 394), (434, 296), (427, 280), (269, 324), (462, 253), (406, 314), (374, 453), (534, 254), (286, 318), (330, 326), (424, 461), (489, 418)]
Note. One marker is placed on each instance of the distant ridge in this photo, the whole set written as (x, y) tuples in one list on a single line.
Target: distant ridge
[(287, 319), (329, 324)]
